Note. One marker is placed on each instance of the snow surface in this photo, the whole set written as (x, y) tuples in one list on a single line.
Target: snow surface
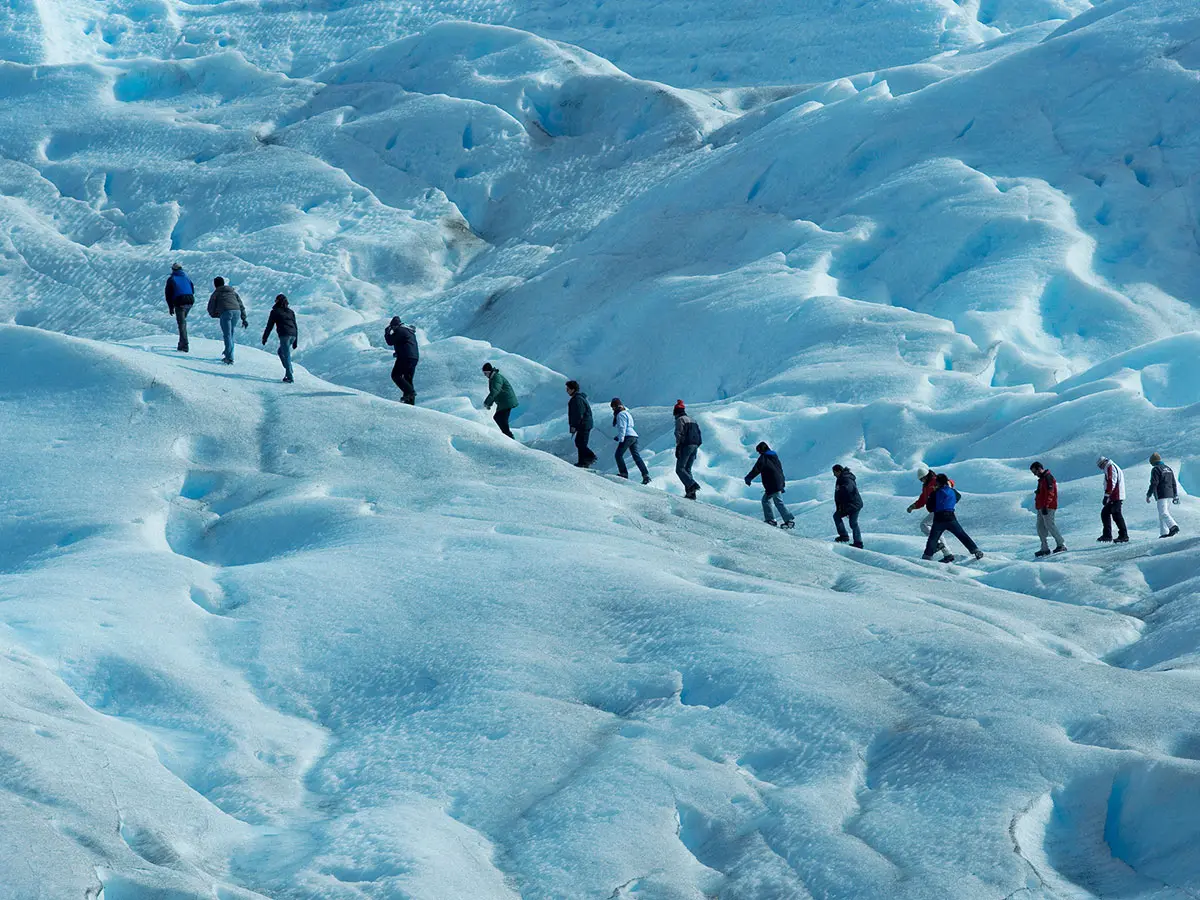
[(304, 642)]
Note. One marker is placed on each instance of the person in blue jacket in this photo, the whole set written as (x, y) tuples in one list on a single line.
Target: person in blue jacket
[(942, 504), (181, 294)]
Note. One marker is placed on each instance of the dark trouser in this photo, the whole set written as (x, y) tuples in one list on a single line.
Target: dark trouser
[(402, 376), (940, 527), (685, 457), (586, 456), (630, 444), (852, 515), (285, 354), (1111, 512), (501, 419), (181, 314)]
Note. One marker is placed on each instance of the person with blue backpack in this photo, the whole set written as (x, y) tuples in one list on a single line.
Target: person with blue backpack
[(181, 294), (774, 484), (942, 503), (687, 445)]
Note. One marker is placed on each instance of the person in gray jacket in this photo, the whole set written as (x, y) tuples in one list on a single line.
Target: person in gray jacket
[(226, 305), (1165, 489), (687, 446)]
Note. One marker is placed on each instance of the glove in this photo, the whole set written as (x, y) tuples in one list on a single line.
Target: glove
[(1147, 499), (265, 344), (747, 482), (617, 439), (245, 322), (295, 344), (911, 509), (1176, 501)]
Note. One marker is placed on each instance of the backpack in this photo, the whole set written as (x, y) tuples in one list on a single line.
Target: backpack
[(691, 434)]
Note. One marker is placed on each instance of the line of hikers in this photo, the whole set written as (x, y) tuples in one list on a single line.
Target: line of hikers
[(226, 305), (939, 497)]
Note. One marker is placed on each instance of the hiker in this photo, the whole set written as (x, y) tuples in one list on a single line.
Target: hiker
[(579, 419), (226, 305), (1114, 496), (181, 294), (1165, 489), (627, 439), (847, 504), (501, 393), (687, 446), (283, 320), (928, 480), (942, 504), (1045, 505), (774, 484), (403, 339)]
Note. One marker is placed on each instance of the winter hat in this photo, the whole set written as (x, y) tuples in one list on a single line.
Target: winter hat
[(396, 321), (615, 402), (280, 300), (680, 409), (1101, 462), (176, 267), (762, 447), (922, 471), (218, 281), (488, 367), (838, 470), (1155, 459)]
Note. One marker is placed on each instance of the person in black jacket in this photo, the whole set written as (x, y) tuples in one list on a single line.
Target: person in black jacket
[(403, 339), (579, 418), (283, 320), (847, 503), (181, 294), (1165, 490), (774, 484), (687, 447)]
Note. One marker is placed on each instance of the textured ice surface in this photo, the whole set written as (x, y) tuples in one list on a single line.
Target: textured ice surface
[(303, 642)]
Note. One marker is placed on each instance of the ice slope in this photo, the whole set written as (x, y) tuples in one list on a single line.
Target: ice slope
[(298, 641)]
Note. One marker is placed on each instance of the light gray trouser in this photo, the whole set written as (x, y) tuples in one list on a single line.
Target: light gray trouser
[(1165, 520), (1047, 529), (775, 498)]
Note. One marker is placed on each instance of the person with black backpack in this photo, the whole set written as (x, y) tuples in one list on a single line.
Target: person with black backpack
[(579, 420), (942, 504), (687, 445), (1165, 489), (847, 503), (403, 339)]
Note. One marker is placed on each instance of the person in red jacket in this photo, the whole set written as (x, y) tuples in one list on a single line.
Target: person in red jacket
[(928, 486), (1045, 504)]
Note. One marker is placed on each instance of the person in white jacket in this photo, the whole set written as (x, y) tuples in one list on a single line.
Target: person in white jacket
[(1114, 496), (627, 439)]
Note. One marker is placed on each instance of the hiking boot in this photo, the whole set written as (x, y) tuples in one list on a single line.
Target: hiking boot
[(690, 494), (1104, 539), (645, 479), (978, 554), (790, 523), (948, 558), (1122, 539), (857, 545), (227, 360), (927, 556), (772, 523), (288, 379), (624, 475), (1060, 548), (1174, 531), (841, 539), (1045, 551)]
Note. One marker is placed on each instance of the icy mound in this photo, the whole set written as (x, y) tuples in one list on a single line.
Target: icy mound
[(271, 641)]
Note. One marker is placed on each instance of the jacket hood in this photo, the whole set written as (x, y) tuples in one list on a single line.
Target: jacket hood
[(769, 453)]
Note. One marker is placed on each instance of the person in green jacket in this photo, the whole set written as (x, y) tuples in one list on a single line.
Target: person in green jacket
[(500, 392)]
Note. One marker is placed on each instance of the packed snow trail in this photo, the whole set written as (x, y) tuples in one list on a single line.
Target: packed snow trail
[(270, 640)]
